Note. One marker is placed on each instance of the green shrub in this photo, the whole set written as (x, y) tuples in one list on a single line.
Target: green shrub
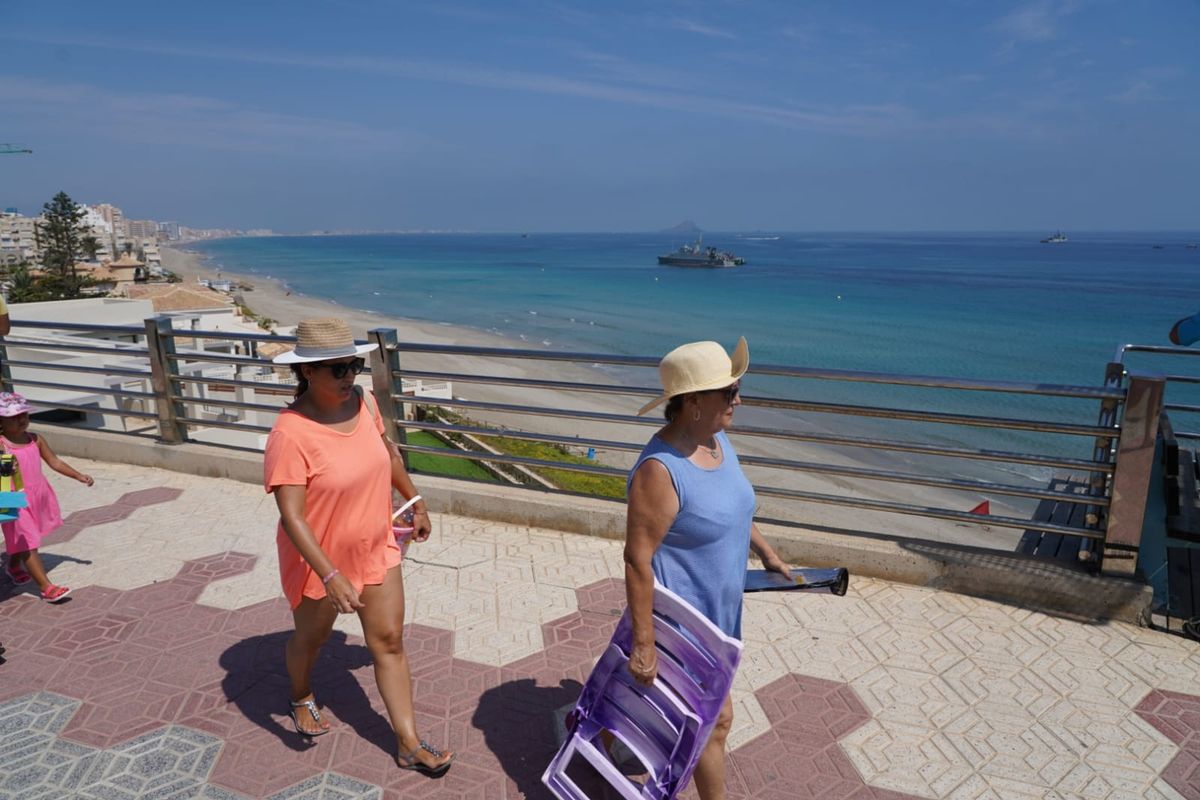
[(571, 481)]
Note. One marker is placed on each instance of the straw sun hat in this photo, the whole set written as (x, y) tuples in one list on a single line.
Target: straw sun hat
[(699, 367), (322, 339)]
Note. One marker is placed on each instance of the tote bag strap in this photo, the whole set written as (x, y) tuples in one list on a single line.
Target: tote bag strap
[(393, 448)]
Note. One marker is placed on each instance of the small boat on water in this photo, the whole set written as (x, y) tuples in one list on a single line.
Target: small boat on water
[(1058, 238), (697, 255)]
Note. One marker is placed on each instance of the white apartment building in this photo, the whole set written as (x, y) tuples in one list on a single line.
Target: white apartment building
[(18, 239), (102, 229)]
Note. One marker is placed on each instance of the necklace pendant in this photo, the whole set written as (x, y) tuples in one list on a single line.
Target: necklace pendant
[(713, 452)]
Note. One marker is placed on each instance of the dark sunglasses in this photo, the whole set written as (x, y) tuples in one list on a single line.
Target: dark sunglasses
[(729, 392), (339, 370)]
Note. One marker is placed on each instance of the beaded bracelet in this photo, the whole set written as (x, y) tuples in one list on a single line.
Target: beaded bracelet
[(329, 577)]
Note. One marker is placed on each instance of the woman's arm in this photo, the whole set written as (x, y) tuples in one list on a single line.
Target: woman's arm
[(290, 500), (653, 506), (403, 484), (57, 464), (762, 548)]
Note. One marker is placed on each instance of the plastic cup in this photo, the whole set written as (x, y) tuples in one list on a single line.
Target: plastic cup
[(402, 529)]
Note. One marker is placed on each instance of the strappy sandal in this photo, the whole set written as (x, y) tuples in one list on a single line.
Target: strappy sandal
[(17, 575), (55, 594), (409, 761), (311, 705)]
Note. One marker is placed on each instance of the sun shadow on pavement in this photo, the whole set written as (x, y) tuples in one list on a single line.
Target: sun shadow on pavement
[(256, 682), (520, 721)]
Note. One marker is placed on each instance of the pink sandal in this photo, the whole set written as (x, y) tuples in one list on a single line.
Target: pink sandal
[(18, 575), (53, 593)]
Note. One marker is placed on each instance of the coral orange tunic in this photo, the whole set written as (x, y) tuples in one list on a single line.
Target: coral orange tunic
[(348, 499)]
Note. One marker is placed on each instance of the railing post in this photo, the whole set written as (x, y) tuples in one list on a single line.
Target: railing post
[(1102, 453), (161, 344), (1131, 477), (385, 382), (6, 382)]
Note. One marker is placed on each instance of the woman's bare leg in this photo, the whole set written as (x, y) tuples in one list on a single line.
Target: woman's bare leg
[(314, 622), (382, 618), (710, 770), (32, 562)]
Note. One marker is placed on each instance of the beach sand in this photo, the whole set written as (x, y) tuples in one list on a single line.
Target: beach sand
[(272, 298)]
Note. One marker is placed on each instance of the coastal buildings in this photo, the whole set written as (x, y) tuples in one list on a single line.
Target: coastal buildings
[(110, 233), (18, 239)]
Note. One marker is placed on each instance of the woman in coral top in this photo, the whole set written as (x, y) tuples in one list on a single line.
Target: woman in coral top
[(332, 470)]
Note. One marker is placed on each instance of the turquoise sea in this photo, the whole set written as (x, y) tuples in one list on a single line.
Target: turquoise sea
[(1001, 306)]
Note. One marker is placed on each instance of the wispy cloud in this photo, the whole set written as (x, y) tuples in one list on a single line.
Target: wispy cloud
[(1035, 22), (1134, 92), (1145, 85), (197, 121), (850, 119), (691, 26)]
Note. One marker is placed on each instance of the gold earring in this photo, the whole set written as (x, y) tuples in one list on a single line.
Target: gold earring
[(695, 415)]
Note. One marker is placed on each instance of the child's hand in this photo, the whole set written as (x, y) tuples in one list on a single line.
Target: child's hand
[(86, 480)]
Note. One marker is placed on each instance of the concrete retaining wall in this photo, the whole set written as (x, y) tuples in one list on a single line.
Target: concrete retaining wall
[(993, 574)]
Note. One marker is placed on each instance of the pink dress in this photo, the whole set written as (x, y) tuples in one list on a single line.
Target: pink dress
[(42, 516)]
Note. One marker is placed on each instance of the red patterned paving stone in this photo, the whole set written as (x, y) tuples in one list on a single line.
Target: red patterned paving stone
[(183, 628), (222, 672), (586, 630), (196, 664), (165, 597), (259, 763), (204, 571), (120, 509), (197, 702), (149, 497), (800, 756), (363, 758), (85, 632), (454, 690), (25, 672), (114, 669), (121, 715), (605, 597), (464, 781), (1177, 716), (812, 708), (424, 644)]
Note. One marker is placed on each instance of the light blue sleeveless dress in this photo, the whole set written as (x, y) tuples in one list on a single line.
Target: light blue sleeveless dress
[(703, 557)]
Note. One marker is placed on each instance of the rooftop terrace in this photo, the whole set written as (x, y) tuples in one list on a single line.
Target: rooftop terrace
[(162, 675)]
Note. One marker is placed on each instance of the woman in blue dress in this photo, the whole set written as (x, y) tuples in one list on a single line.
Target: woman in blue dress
[(691, 517)]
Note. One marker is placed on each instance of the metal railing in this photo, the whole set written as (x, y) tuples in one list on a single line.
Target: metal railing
[(180, 384), (1184, 375)]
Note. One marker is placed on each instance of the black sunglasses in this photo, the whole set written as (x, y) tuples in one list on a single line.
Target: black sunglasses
[(729, 392), (339, 369)]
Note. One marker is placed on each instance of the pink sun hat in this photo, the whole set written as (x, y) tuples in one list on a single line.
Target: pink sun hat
[(13, 404)]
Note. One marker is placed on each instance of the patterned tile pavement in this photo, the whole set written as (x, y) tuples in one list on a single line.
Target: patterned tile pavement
[(162, 676)]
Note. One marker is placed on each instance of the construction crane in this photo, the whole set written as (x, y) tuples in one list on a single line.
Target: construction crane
[(13, 148)]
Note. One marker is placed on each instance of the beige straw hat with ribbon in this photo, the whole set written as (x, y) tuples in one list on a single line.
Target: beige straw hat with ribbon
[(699, 367), (323, 339)]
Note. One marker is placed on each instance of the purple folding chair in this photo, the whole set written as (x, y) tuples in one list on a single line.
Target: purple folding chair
[(665, 725)]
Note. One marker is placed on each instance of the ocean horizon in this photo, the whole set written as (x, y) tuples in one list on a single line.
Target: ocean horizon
[(999, 306)]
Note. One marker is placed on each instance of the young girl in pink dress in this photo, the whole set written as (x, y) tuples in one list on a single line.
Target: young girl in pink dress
[(23, 535)]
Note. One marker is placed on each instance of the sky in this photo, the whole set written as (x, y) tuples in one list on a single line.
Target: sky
[(562, 115)]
